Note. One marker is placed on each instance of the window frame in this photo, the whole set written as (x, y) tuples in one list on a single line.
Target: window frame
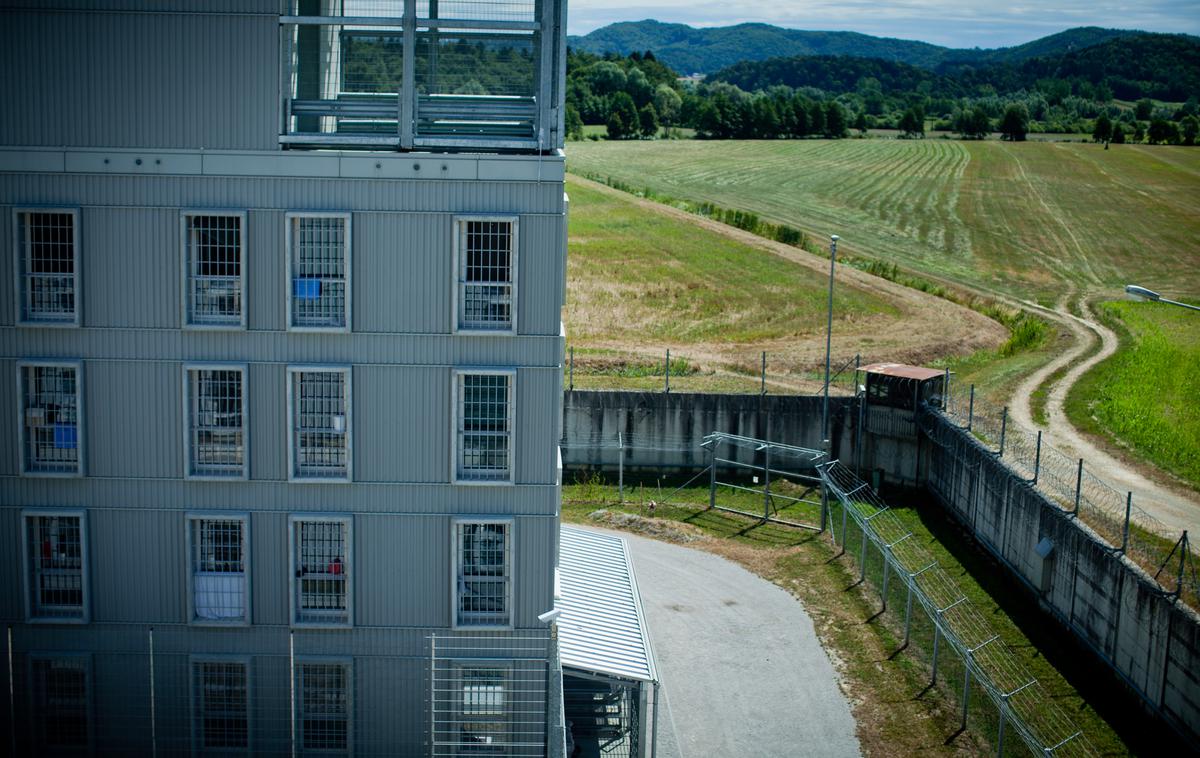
[(195, 705), (202, 476), (509, 575), (186, 321), (85, 615), (189, 521), (505, 718), (456, 413), (293, 370), (290, 218), (459, 278), (80, 420), (294, 577), (19, 255), (89, 695), (347, 663)]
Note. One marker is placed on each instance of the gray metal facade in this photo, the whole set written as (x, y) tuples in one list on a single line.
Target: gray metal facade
[(132, 114)]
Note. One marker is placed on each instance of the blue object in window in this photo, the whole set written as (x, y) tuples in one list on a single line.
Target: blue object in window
[(66, 437), (307, 289)]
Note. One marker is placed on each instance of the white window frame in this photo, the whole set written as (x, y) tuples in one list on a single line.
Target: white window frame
[(346, 663), (290, 220), (19, 258), (460, 265), (504, 718), (456, 412), (294, 580), (23, 427), (191, 520), (185, 270), (293, 398), (38, 715), (31, 606), (189, 471), (509, 578), (196, 705)]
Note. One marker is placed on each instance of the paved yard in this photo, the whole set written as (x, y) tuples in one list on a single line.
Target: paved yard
[(743, 673)]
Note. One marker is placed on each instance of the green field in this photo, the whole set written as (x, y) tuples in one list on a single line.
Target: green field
[(1023, 219), (1148, 393)]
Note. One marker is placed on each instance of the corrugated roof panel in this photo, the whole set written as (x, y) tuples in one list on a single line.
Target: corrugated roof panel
[(905, 372), (602, 629)]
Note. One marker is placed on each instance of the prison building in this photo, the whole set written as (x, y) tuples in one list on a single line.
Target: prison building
[(281, 372)]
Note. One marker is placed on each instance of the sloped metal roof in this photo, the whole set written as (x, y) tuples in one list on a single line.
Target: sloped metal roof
[(905, 372), (602, 629)]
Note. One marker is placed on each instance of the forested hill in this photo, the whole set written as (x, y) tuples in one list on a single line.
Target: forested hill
[(1159, 66), (689, 50)]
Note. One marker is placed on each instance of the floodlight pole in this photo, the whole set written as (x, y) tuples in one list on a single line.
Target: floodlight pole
[(1154, 297), (833, 240)]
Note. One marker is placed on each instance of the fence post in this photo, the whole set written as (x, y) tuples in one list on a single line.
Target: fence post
[(946, 391), (668, 385), (1003, 429), (712, 476), (572, 371), (1125, 530), (153, 714), (1078, 487), (1037, 459), (862, 562), (845, 511), (966, 696), (908, 611), (621, 467), (886, 565), (767, 483), (971, 410), (1183, 559), (764, 373), (937, 637), (1003, 717)]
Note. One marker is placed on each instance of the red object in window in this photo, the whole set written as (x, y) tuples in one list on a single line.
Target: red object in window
[(47, 553), (335, 566)]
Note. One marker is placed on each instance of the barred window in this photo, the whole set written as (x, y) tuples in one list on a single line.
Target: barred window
[(56, 566), (47, 267), (218, 567), (216, 421), (319, 405), (213, 262), (324, 705), (61, 711), (319, 294), (485, 417), (50, 428), (483, 581), (483, 710), (486, 273), (221, 704), (322, 572)]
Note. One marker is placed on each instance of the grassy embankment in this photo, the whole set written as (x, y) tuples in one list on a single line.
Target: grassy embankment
[(897, 713), (1147, 395)]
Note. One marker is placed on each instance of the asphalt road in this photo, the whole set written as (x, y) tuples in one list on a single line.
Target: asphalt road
[(742, 671)]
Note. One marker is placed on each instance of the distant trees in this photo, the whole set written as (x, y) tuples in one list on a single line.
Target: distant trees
[(1103, 130), (912, 123), (1118, 134), (835, 120), (1014, 124), (573, 123), (973, 123), (1163, 132), (1190, 127), (623, 120), (648, 120)]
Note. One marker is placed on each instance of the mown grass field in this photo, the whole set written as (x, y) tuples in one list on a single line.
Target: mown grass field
[(1022, 219), (1148, 394)]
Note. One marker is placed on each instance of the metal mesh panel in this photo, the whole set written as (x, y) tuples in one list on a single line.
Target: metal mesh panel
[(322, 573), (222, 720), (216, 425), (324, 706), (475, 63), (485, 300), (320, 424), (319, 271), (60, 703), (47, 261), (218, 569), (55, 553), (477, 10), (483, 432), (214, 270), (51, 405), (483, 574)]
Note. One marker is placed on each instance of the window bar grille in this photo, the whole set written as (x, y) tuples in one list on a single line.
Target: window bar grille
[(486, 298), (217, 423), (55, 553), (319, 272), (60, 695), (214, 270), (218, 569), (483, 574), (484, 427), (222, 705), (322, 572), (320, 425), (51, 420), (324, 706), (47, 266)]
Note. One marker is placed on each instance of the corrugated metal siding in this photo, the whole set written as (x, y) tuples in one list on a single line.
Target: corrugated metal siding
[(540, 263), (129, 258), (139, 80), (539, 410), (159, 6), (534, 548), (10, 450), (138, 560), (266, 271), (404, 569), (12, 598), (401, 424), (403, 276), (133, 422), (269, 428), (120, 689), (269, 568), (7, 261)]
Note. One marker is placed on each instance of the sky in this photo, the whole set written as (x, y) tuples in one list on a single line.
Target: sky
[(953, 23)]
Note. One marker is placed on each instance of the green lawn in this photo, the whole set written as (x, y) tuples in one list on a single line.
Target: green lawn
[(1148, 394)]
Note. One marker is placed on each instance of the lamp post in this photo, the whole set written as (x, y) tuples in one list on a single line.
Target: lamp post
[(833, 240), (1154, 297)]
